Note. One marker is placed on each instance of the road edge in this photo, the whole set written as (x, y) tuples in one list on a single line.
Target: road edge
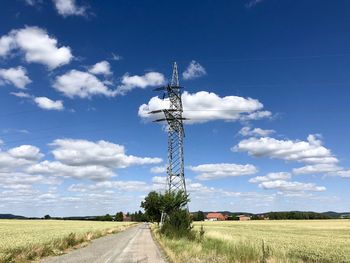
[(159, 244)]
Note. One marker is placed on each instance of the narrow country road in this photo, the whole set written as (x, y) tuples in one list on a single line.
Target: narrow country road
[(130, 246)]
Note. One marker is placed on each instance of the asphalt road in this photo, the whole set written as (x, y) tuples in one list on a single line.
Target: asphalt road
[(130, 246)]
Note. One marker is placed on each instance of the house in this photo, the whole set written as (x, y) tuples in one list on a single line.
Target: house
[(126, 218), (243, 218), (216, 217)]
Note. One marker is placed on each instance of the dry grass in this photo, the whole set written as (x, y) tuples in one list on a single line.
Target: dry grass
[(27, 240), (323, 241)]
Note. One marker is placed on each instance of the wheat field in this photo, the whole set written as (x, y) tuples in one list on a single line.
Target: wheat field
[(25, 240), (323, 241)]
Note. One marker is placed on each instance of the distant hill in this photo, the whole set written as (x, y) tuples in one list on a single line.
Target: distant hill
[(10, 216), (337, 215)]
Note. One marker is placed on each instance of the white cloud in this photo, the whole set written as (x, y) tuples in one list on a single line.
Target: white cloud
[(102, 67), (158, 169), (194, 70), (221, 170), (37, 47), (19, 180), (78, 159), (206, 106), (27, 152), (48, 104), (7, 43), (115, 185), (16, 158), (69, 7), (271, 177), (116, 57), (317, 168), (291, 186), (21, 94), (310, 151), (248, 131), (82, 159), (42, 102), (92, 172), (150, 79), (341, 173), (15, 76), (81, 84), (83, 152)]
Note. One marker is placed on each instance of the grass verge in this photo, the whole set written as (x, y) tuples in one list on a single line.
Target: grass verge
[(56, 246), (213, 250)]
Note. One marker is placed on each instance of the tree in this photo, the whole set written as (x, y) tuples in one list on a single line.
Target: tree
[(200, 216), (153, 206), (172, 201), (47, 217), (119, 216), (178, 220)]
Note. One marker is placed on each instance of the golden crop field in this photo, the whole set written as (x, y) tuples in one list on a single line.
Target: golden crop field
[(323, 241), (22, 240)]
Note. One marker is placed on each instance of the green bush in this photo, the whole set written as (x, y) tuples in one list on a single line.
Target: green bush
[(178, 224)]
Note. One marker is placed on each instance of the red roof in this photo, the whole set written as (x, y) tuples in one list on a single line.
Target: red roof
[(218, 216)]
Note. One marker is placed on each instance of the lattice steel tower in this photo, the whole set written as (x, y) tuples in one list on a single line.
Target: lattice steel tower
[(173, 117)]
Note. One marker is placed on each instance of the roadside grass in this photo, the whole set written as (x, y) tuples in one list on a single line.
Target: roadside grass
[(29, 240), (321, 241)]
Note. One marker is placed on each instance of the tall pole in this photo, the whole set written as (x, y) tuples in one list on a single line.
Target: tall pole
[(174, 119)]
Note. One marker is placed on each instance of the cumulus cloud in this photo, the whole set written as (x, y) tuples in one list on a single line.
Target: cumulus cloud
[(311, 151), (101, 68), (221, 170), (291, 186), (202, 192), (158, 169), (92, 172), (81, 84), (15, 76), (317, 168), (21, 94), (206, 106), (37, 47), (7, 43), (248, 131), (83, 152), (19, 157), (149, 79), (115, 185), (194, 70), (19, 180), (78, 159), (42, 102), (48, 104), (271, 177), (27, 152), (69, 8), (341, 173)]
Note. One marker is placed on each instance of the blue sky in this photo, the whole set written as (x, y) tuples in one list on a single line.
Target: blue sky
[(266, 89)]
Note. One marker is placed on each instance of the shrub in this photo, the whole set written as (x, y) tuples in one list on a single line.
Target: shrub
[(178, 224)]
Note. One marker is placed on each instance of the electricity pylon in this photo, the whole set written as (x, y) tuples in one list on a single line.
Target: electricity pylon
[(173, 117)]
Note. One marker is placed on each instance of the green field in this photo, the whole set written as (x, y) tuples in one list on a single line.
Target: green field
[(265, 241), (22, 240)]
